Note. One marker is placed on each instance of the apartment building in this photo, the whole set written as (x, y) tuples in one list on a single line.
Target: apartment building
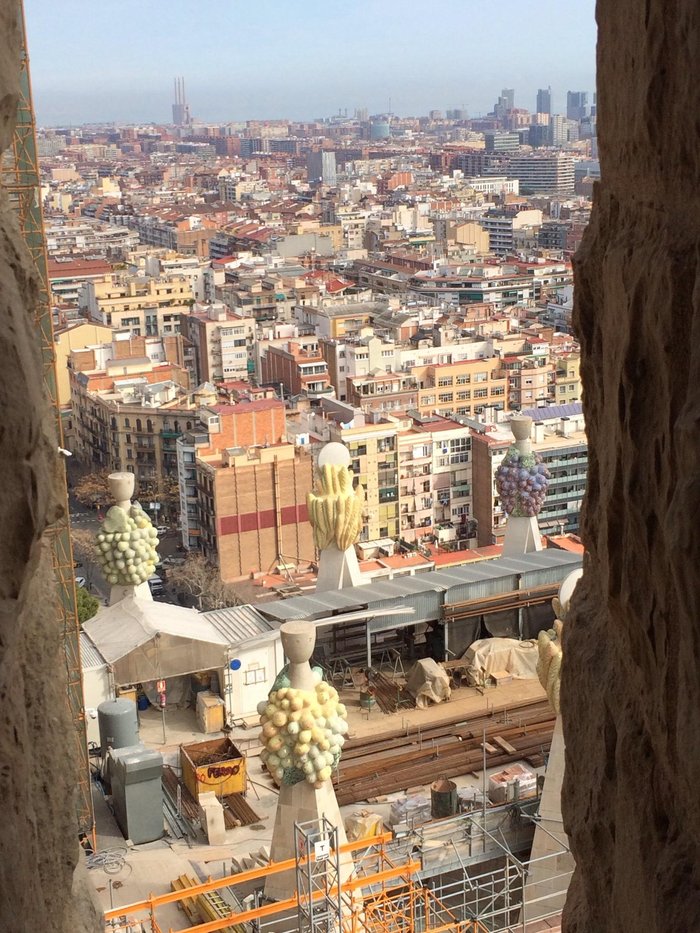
[(74, 335), (299, 370), (131, 423), (463, 389), (568, 379), (145, 306), (218, 344), (373, 447), (551, 173), (531, 381), (435, 483), (243, 490)]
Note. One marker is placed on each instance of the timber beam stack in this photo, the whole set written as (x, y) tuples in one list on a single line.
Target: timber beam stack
[(397, 760)]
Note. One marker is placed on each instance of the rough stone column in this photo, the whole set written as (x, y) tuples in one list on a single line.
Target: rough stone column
[(631, 673), (38, 849)]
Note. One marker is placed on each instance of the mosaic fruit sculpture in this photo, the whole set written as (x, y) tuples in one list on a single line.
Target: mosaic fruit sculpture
[(335, 508), (522, 481), (303, 731), (127, 546)]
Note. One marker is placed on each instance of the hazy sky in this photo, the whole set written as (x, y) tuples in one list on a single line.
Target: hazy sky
[(103, 60)]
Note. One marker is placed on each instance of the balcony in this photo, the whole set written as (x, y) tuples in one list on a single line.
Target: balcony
[(319, 392), (461, 491), (388, 495)]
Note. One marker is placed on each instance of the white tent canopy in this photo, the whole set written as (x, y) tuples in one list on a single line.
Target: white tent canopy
[(144, 640)]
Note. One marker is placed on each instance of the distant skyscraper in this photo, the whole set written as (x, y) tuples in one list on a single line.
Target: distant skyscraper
[(508, 98), (181, 109), (321, 167), (576, 105), (544, 100)]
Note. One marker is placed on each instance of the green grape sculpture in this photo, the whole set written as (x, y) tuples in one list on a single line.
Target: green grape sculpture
[(303, 731), (127, 546)]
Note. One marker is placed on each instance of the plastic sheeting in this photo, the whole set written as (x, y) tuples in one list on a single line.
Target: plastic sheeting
[(428, 683), (518, 658), (144, 640)]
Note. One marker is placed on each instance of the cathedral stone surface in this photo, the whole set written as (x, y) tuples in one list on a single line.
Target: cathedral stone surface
[(630, 678)]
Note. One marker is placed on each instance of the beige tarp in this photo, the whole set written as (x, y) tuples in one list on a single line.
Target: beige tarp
[(428, 683), (518, 658), (144, 640)]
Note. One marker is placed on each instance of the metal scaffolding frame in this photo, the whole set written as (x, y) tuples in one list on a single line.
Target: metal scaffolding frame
[(388, 893), (21, 179), (317, 876)]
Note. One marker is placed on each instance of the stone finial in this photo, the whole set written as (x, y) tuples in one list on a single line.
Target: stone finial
[(298, 640), (521, 426), (121, 486)]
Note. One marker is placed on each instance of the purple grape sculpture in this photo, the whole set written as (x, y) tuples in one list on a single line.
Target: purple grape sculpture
[(522, 481)]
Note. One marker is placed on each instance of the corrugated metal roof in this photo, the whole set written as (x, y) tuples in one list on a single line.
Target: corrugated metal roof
[(407, 587), (90, 657), (238, 624)]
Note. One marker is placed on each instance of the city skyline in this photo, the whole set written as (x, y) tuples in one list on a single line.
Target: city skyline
[(306, 62)]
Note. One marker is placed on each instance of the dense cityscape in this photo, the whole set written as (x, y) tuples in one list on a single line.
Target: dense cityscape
[(228, 297), (349, 550)]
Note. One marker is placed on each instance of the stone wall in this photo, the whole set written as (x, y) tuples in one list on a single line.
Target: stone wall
[(631, 677), (39, 847)]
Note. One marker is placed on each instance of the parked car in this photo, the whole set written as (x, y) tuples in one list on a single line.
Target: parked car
[(162, 530), (155, 584), (81, 581), (173, 561)]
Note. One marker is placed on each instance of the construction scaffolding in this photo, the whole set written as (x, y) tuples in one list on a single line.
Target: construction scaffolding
[(318, 876), (399, 886), (22, 181)]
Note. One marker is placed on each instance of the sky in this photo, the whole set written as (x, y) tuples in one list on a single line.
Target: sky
[(115, 60)]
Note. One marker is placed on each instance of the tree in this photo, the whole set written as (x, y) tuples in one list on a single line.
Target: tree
[(166, 492), (85, 547), (86, 604), (202, 580), (92, 490)]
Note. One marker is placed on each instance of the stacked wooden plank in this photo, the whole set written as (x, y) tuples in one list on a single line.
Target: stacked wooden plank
[(396, 760), (208, 906)]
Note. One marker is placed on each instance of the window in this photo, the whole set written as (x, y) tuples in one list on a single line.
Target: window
[(481, 377), (481, 393), (445, 397), (444, 381), (128, 438), (464, 395), (127, 423), (254, 675), (464, 380), (139, 426)]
